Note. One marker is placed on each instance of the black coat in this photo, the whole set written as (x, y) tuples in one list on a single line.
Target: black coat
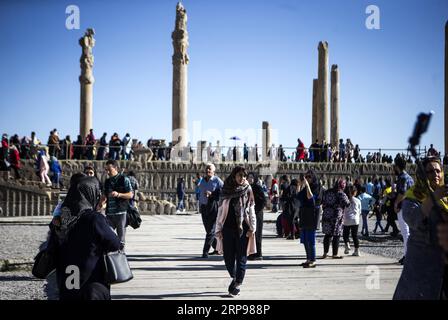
[(260, 197), (309, 213), (85, 247), (291, 205)]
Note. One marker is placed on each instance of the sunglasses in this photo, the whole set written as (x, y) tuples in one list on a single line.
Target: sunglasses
[(437, 171)]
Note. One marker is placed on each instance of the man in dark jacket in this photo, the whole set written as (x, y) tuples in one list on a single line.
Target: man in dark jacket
[(260, 203), (102, 148), (180, 190), (117, 193)]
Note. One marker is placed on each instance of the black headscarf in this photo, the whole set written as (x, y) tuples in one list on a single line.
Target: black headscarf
[(83, 196), (315, 186)]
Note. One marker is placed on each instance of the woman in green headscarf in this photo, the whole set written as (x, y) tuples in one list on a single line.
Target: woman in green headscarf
[(424, 272)]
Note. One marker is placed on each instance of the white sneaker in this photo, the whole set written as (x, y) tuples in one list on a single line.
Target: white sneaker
[(356, 253), (347, 249)]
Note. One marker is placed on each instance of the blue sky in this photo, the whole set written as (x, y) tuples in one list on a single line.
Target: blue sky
[(250, 61)]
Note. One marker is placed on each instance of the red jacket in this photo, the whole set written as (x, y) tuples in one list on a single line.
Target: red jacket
[(14, 157), (301, 151), (5, 144)]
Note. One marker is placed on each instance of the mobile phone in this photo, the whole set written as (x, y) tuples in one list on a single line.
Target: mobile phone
[(445, 179)]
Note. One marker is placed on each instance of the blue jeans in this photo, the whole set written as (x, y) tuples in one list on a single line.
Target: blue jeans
[(112, 153), (235, 253), (365, 228), (378, 224), (180, 204), (308, 238), (56, 178)]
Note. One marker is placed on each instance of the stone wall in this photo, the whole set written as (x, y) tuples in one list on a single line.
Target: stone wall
[(158, 180)]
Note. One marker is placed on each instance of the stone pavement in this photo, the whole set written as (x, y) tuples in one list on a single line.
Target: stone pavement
[(164, 254)]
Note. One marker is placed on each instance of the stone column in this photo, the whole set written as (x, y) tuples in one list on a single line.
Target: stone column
[(334, 105), (446, 87), (86, 80), (180, 62), (266, 140), (314, 122), (200, 151), (323, 91)]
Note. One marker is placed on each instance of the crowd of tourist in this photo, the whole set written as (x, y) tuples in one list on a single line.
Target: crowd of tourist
[(307, 205), (91, 148), (232, 215), (232, 211)]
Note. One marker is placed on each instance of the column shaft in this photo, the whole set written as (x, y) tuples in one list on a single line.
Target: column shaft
[(334, 105), (323, 91), (314, 122), (266, 143)]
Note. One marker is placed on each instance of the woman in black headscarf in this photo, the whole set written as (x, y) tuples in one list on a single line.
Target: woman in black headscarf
[(291, 207), (308, 196), (236, 226), (84, 237)]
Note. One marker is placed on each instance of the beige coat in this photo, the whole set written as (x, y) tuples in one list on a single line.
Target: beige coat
[(249, 217)]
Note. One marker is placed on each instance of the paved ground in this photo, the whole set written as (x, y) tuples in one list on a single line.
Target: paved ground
[(164, 255)]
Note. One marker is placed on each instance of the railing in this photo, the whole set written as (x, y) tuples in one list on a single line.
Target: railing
[(209, 153)]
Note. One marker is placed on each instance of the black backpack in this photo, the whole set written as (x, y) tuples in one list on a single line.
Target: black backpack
[(133, 217)]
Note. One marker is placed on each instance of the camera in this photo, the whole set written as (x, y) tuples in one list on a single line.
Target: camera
[(421, 126)]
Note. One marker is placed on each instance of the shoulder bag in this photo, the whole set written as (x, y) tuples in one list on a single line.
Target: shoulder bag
[(117, 267)]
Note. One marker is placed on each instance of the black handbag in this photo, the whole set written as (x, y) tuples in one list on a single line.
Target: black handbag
[(44, 264), (117, 267), (45, 260), (133, 217)]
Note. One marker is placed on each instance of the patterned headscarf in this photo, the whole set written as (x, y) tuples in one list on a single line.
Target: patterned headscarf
[(241, 193), (419, 192)]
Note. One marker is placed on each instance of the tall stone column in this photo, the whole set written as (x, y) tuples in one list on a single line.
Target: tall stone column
[(266, 140), (323, 91), (86, 80), (314, 122), (446, 87), (180, 62), (334, 105)]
